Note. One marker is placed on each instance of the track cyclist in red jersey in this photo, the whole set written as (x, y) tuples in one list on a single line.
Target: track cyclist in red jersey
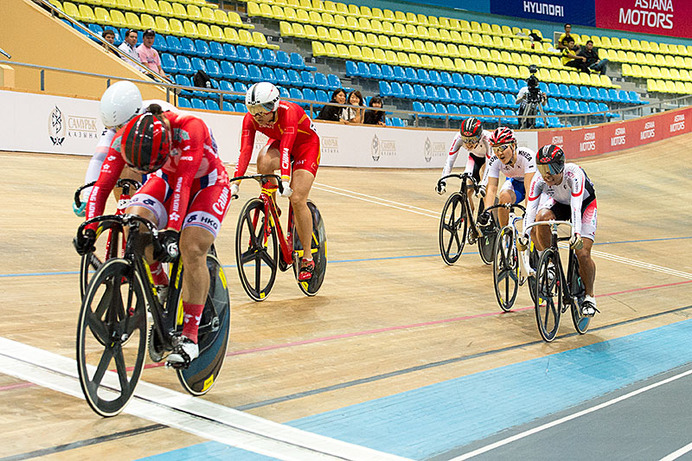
[(563, 191), (293, 147), (187, 195)]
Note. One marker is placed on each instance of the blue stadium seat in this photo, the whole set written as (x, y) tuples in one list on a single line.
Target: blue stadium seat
[(254, 72), (375, 71), (457, 80), (297, 61), (614, 97), (225, 85), (387, 72), (431, 93), (321, 96), (281, 77), (500, 100), (309, 94), (399, 73), (512, 119), (212, 104), (441, 109), (397, 91), (512, 86), (489, 99), (213, 69), (466, 96), (241, 72), (202, 49), (435, 78), (622, 96), (574, 92), (240, 107), (227, 70), (268, 75), (573, 108), (593, 92), (198, 64), (396, 121), (269, 57), (407, 90), (453, 112), (352, 69), (321, 81), (634, 97), (553, 105), (443, 94), (183, 80), (464, 110), (490, 83), (423, 77), (584, 93), (296, 94), (489, 116), (216, 50), (256, 55), (333, 81), (501, 84), (243, 53), (229, 52), (168, 63), (429, 107), (604, 108), (446, 79), (198, 104), (227, 106), (385, 89), (419, 92), (363, 70), (411, 75), (554, 122), (553, 90), (418, 107), (283, 59), (469, 82), (477, 97), (173, 44), (499, 114), (184, 65), (583, 107), (564, 108), (455, 95), (479, 82), (184, 103), (543, 87), (240, 87), (308, 78), (187, 46)]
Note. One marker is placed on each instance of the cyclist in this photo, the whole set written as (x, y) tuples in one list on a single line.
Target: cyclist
[(518, 164), (119, 104), (293, 147), (186, 194), (564, 191)]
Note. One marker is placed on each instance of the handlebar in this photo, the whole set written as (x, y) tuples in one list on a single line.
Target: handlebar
[(464, 178), (553, 227), (508, 206), (260, 178), (123, 183), (123, 220)]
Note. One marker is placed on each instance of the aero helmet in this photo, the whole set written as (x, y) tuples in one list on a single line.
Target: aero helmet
[(502, 135), (146, 142), (550, 159), (120, 103), (261, 98)]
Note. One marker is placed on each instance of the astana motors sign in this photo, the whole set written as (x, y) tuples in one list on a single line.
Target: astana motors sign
[(650, 13), (662, 17), (61, 127)]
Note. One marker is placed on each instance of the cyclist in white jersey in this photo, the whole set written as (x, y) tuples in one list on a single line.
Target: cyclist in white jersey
[(518, 164), (121, 102), (563, 191), (474, 139)]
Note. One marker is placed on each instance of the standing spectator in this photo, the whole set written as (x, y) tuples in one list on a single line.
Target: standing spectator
[(353, 114), (564, 38), (148, 55), (330, 112), (570, 58), (128, 46), (375, 117), (593, 62)]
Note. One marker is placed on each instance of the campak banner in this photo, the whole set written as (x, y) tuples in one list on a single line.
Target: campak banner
[(660, 17), (560, 11)]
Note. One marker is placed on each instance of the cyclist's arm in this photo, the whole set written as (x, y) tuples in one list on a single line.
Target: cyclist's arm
[(452, 157), (533, 196), (490, 192), (247, 143), (288, 139), (110, 172), (576, 200)]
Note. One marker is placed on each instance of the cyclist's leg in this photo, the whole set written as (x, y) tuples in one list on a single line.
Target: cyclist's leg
[(301, 185), (508, 194), (472, 167), (540, 235), (587, 266)]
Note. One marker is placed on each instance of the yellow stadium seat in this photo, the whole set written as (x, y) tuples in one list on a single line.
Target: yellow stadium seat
[(265, 11), (426, 61), (365, 12), (179, 10), (486, 28), (359, 38), (285, 29), (341, 8), (318, 49), (391, 57), (484, 54), (372, 40), (665, 73), (402, 59), (194, 13), (507, 31), (164, 7), (498, 41), (342, 50), (456, 36), (388, 15), (310, 32), (605, 81), (364, 25), (503, 70), (453, 50), (448, 64), (675, 75), (379, 56), (481, 67), (377, 13), (441, 48), (474, 53), (688, 87), (367, 53), (57, 4), (418, 46), (148, 22), (117, 18), (203, 31), (231, 35), (302, 16), (384, 42), (191, 29), (347, 37), (71, 10), (513, 70), (492, 69), (329, 6), (443, 22), (670, 60), (124, 5), (352, 22), (87, 14), (464, 51), (415, 60), (471, 66), (132, 21), (323, 33), (407, 45), (355, 53), (460, 65), (176, 26), (353, 10), (330, 50), (315, 18), (217, 33), (102, 16), (327, 19), (670, 86), (245, 37), (475, 27)]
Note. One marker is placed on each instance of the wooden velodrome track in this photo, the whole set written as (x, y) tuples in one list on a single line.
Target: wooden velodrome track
[(391, 316)]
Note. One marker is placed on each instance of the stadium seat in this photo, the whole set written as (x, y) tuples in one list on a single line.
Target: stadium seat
[(254, 72), (184, 65), (333, 81), (184, 103), (397, 90), (241, 72), (202, 48), (281, 77), (198, 104), (168, 63), (240, 107), (320, 81), (243, 53), (212, 104)]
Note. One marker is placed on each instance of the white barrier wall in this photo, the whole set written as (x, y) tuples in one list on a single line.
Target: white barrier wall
[(54, 124)]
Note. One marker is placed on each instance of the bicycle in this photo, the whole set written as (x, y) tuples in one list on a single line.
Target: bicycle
[(455, 218), (114, 244), (112, 326), (556, 290), (262, 248)]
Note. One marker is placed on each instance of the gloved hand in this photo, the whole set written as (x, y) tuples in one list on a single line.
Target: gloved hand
[(522, 243), (167, 249), (84, 242), (481, 191), (483, 218), (576, 242), (287, 189), (81, 210), (234, 190), (441, 187)]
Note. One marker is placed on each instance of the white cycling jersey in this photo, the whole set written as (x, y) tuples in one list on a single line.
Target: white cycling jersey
[(481, 152), (525, 163), (575, 190)]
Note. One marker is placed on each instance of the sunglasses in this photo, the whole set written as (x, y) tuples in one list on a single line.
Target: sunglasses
[(500, 148)]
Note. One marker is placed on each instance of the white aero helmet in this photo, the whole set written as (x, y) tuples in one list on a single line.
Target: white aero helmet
[(262, 97), (120, 103)]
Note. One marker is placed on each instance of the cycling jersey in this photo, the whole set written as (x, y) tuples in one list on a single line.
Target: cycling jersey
[(576, 190), (477, 155), (192, 165), (296, 136), (525, 163)]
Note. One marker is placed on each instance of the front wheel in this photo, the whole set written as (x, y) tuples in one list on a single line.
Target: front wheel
[(453, 228), (256, 250), (578, 292), (319, 253), (548, 294), (505, 269), (112, 335), (487, 239)]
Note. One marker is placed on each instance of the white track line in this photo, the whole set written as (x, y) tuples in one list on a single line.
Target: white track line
[(678, 453), (432, 214), (535, 430), (190, 414)]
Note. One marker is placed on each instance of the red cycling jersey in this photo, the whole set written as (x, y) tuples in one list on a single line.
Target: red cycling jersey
[(295, 131), (193, 157)]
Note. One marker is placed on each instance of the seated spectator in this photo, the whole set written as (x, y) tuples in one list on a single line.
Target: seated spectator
[(593, 62), (564, 38), (109, 36), (375, 117), (201, 79), (571, 59), (353, 114), (128, 46), (148, 55), (330, 112)]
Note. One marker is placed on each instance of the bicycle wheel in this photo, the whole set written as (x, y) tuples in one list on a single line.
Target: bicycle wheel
[(212, 337), (548, 295), (90, 262), (578, 292), (256, 250), (505, 269), (453, 228), (487, 240), (319, 253), (112, 337)]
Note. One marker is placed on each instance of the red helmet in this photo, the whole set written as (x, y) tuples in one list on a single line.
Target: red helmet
[(146, 142), (471, 128), (502, 135), (550, 159)]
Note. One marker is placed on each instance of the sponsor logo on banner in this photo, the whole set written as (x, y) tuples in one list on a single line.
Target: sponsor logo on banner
[(678, 123), (433, 149), (663, 17), (547, 10), (558, 140), (588, 144), (619, 138), (375, 148), (649, 131), (329, 145), (56, 127), (382, 148)]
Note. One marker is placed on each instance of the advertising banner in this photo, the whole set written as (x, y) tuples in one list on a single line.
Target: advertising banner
[(586, 141), (560, 11), (660, 17)]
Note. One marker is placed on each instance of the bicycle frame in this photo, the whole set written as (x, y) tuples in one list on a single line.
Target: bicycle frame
[(285, 242), (467, 182), (512, 225)]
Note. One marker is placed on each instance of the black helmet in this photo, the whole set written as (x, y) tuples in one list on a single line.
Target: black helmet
[(550, 159), (471, 130)]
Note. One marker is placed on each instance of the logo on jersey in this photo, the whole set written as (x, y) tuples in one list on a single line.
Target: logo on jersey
[(56, 127)]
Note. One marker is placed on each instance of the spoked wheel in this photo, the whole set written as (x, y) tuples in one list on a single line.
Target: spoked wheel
[(581, 323), (256, 250), (505, 269), (531, 279), (213, 333), (548, 295), (91, 262), (111, 337), (319, 253), (453, 228)]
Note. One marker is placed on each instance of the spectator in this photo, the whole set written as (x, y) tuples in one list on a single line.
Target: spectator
[(148, 55), (564, 38), (375, 117), (351, 114), (128, 46), (570, 58), (530, 98), (330, 112), (109, 36), (201, 79), (593, 62)]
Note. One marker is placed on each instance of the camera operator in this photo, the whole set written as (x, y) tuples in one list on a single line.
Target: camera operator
[(530, 99)]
